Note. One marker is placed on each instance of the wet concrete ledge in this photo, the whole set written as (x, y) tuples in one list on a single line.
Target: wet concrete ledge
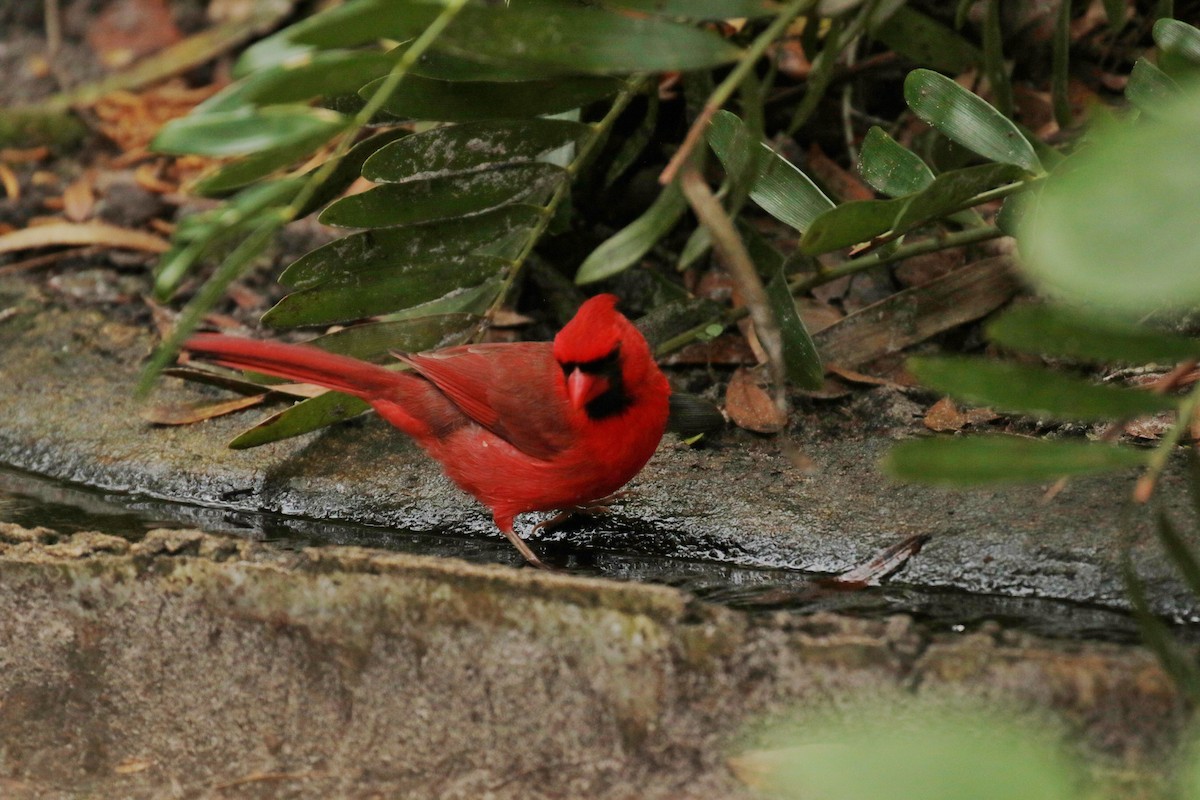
[(66, 378), (197, 666)]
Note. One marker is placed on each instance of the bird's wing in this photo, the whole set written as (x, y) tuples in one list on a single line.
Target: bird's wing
[(510, 389)]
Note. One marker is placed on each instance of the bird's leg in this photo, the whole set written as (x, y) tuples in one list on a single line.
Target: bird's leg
[(600, 506), (506, 527)]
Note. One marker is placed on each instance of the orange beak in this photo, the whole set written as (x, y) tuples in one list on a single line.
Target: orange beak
[(582, 388)]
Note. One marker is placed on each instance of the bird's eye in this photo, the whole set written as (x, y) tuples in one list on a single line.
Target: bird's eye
[(606, 363)]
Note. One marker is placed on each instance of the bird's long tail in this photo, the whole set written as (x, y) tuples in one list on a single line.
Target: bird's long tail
[(298, 363)]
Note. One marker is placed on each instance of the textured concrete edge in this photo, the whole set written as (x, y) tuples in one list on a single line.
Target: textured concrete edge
[(187, 662)]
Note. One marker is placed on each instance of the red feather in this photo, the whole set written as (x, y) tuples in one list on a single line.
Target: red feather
[(499, 417)]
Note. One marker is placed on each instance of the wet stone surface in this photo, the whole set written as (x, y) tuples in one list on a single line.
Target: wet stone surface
[(66, 379)]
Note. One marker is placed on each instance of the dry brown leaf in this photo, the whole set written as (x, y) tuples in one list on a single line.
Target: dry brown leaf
[(79, 200), (188, 413), (750, 406), (128, 29), (816, 315), (726, 349), (63, 234), (861, 377), (844, 184), (131, 766), (24, 155), (1150, 427), (132, 119), (945, 417), (9, 182)]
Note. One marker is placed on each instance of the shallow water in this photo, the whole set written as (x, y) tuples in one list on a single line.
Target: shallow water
[(32, 501)]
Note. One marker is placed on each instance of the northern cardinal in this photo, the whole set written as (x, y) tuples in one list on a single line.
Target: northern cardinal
[(529, 426)]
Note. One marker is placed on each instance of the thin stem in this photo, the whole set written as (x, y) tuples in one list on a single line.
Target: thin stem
[(733, 80), (599, 131), (375, 103), (1158, 459)]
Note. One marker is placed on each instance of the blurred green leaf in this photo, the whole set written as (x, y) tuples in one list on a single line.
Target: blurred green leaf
[(927, 41), (634, 145), (577, 38), (889, 167), (1150, 88), (559, 36), (463, 101), (994, 67), (800, 357), (1178, 48), (443, 198), (251, 168), (471, 147), (1109, 227), (368, 292), (973, 460), (1060, 62), (239, 133), (310, 76), (1034, 390), (1178, 551), (917, 751), (1058, 331), (388, 247), (1179, 663), (783, 191), (627, 246), (967, 119)]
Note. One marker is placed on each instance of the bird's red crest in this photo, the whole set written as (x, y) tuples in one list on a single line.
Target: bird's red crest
[(592, 333)]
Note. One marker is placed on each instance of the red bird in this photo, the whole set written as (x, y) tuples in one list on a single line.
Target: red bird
[(530, 426)]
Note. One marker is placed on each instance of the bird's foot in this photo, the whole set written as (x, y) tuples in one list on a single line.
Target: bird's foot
[(601, 506)]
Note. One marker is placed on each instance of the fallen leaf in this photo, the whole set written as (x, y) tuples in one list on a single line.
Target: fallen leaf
[(841, 182), (131, 766), (128, 29), (189, 413), (79, 200), (914, 315), (750, 406), (62, 234), (945, 417), (9, 182), (859, 377), (880, 566)]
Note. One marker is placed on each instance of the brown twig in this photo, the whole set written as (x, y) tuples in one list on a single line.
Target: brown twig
[(738, 263)]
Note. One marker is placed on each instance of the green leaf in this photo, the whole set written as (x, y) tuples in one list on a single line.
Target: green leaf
[(1033, 390), (1058, 331), (800, 357), (954, 190), (931, 749), (376, 341), (304, 417), (1179, 663), (967, 119), (863, 220), (699, 9), (444, 198), (634, 144), (627, 246), (251, 168), (1178, 48), (927, 41), (463, 101), (471, 147), (239, 133), (783, 191), (563, 37), (346, 169), (1110, 226), (577, 38), (1178, 551), (1150, 88), (388, 247), (889, 167), (301, 79), (365, 293), (972, 460), (993, 59), (850, 223)]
